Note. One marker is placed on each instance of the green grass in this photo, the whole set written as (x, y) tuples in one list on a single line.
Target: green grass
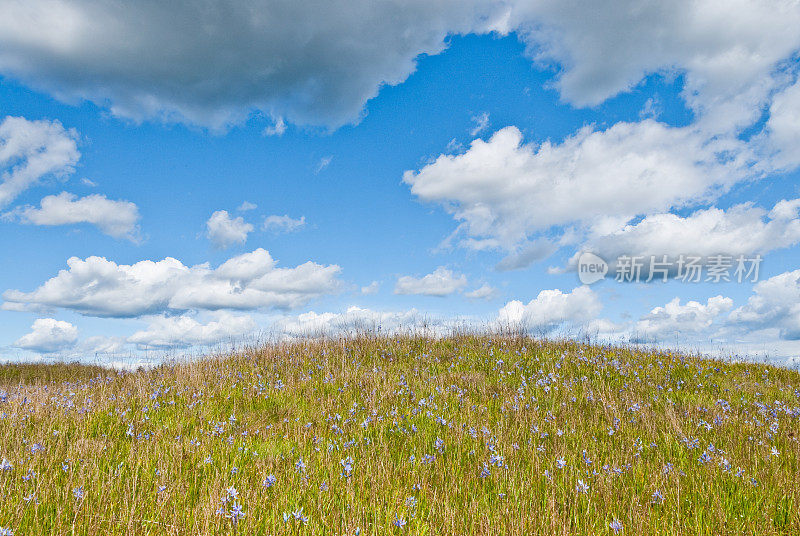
[(381, 401)]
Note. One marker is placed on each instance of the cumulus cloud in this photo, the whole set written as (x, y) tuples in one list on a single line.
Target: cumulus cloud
[(782, 133), (742, 230), (441, 282), (283, 224), (32, 150), (99, 287), (49, 336), (212, 64), (775, 304), (372, 288), (224, 231), (308, 63), (727, 52), (484, 292), (115, 218), (503, 190), (675, 319), (185, 331), (552, 309)]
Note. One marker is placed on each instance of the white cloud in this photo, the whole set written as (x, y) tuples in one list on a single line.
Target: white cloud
[(552, 309), (320, 63), (503, 190), (64, 343), (524, 254), (605, 330), (323, 163), (99, 287), (185, 331), (740, 230), (31, 150), (247, 205), (224, 231), (726, 51), (277, 129), (454, 146), (212, 64), (98, 345), (115, 218), (283, 224), (485, 292), (441, 282), (372, 288), (358, 320), (481, 122), (49, 336), (775, 304), (674, 319), (783, 127)]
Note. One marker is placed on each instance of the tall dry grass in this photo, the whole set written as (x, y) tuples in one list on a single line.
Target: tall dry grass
[(379, 435)]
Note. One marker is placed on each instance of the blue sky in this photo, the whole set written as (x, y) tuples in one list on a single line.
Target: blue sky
[(402, 176)]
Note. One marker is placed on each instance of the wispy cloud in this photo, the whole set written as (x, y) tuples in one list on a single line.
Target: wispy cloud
[(323, 163), (283, 224)]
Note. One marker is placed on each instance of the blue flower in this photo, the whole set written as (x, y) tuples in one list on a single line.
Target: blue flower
[(657, 497), (485, 471), (298, 515), (236, 513), (347, 467)]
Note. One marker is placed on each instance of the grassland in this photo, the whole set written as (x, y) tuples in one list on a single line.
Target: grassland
[(462, 435)]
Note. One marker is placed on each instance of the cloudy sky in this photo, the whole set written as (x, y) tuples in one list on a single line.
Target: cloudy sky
[(175, 174)]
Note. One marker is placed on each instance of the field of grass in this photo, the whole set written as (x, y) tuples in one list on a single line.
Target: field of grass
[(461, 435)]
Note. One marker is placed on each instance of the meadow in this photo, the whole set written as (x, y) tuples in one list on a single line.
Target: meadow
[(485, 435)]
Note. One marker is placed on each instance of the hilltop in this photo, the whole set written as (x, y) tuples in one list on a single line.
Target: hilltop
[(382, 435)]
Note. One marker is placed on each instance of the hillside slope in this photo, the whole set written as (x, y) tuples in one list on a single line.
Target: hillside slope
[(464, 435)]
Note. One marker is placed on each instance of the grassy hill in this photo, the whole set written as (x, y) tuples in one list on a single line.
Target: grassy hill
[(463, 435)]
